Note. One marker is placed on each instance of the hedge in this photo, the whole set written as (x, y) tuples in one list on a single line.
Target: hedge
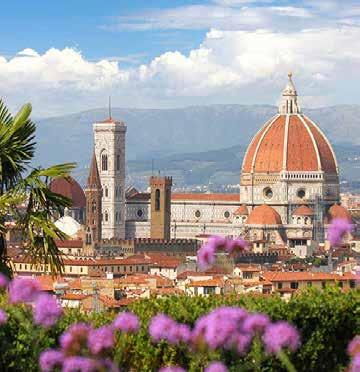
[(327, 321)]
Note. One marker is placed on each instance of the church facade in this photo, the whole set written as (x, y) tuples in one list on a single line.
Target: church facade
[(289, 188)]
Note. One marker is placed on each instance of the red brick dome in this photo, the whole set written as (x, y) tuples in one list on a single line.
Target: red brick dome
[(70, 189), (338, 211), (289, 141), (303, 210), (264, 215)]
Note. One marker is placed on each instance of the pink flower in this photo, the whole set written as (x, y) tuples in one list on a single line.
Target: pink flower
[(280, 335), (206, 256), (127, 322), (355, 364), (216, 367), (80, 364), (50, 359), (337, 230), (255, 323), (4, 281), (75, 337), (23, 290), (101, 339), (46, 311), (354, 346), (3, 317), (165, 328)]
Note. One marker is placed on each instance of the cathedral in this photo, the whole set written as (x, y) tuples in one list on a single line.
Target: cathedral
[(289, 189)]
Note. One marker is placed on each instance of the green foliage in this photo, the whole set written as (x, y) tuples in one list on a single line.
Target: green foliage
[(22, 185), (327, 321)]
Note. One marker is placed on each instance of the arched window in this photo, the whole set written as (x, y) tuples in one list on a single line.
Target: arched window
[(106, 192), (104, 161), (106, 216), (157, 200), (93, 206), (117, 162), (298, 220), (88, 236)]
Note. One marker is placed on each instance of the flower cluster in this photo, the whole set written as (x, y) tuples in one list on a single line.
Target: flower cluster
[(85, 349), (163, 327), (206, 255), (354, 352), (338, 228)]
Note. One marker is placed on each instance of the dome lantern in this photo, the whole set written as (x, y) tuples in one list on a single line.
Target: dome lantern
[(289, 103)]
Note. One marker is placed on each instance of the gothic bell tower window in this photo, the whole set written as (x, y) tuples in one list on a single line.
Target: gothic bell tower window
[(157, 200)]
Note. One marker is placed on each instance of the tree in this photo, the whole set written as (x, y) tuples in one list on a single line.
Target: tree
[(25, 195)]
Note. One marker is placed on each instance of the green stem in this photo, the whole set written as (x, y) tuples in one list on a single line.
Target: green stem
[(285, 361)]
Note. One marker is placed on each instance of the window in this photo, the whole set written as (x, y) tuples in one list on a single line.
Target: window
[(280, 285), (93, 206), (340, 284), (247, 275), (197, 214), (130, 268), (226, 214), (157, 199), (81, 269), (106, 192), (139, 213), (268, 193), (117, 162), (209, 290), (301, 194), (323, 284), (309, 284), (104, 162), (352, 284), (294, 285), (142, 268), (106, 216)]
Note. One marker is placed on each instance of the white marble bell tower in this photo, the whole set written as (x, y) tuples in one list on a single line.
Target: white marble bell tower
[(109, 140)]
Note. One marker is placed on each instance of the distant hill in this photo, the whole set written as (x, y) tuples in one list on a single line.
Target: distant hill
[(200, 144)]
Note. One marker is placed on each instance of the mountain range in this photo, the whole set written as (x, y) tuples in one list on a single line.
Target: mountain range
[(199, 145)]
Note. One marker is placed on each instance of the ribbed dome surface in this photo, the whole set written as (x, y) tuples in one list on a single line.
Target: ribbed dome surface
[(264, 215), (70, 189), (290, 142), (303, 210), (242, 211)]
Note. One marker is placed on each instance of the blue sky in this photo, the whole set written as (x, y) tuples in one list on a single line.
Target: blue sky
[(66, 56)]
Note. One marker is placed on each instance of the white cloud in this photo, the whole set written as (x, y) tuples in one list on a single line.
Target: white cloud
[(228, 67)]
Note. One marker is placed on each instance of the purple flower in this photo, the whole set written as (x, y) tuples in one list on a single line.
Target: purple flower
[(255, 323), (80, 364), (172, 369), (75, 337), (3, 317), (354, 346), (127, 322), (4, 281), (206, 256), (23, 290), (110, 366), (46, 311), (243, 343), (101, 339), (216, 367), (236, 245), (50, 359), (337, 229), (163, 327), (280, 335), (355, 364), (220, 327)]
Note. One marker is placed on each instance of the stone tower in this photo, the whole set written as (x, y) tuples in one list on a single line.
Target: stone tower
[(93, 195), (160, 207), (109, 139)]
